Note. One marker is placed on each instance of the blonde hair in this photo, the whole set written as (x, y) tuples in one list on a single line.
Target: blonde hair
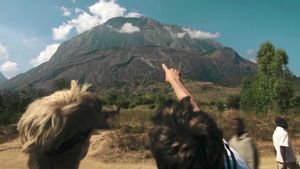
[(53, 119)]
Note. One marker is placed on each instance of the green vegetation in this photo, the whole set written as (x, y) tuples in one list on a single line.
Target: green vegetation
[(154, 100), (233, 102), (14, 103), (60, 84), (271, 87)]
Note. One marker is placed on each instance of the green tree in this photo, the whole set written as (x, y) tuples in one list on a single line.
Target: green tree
[(270, 89), (247, 94)]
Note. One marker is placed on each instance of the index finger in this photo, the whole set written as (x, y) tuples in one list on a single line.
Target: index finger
[(165, 67)]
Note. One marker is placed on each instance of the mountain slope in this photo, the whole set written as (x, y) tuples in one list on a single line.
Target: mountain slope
[(105, 56), (2, 78), (151, 34)]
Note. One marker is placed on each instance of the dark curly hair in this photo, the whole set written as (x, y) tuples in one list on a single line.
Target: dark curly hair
[(281, 122), (184, 139)]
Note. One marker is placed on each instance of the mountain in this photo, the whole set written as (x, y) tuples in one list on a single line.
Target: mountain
[(130, 50), (2, 78)]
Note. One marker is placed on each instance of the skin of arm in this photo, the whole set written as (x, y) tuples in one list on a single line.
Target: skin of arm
[(282, 151), (173, 77)]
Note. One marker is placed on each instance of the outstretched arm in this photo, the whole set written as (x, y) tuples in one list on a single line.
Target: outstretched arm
[(173, 77)]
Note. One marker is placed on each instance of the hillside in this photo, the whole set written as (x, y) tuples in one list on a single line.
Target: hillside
[(2, 78), (106, 56)]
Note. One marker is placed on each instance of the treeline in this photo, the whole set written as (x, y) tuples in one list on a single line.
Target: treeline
[(14, 103), (153, 100)]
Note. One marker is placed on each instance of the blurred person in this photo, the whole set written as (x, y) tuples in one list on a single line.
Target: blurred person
[(285, 156), (184, 137), (242, 143), (55, 130)]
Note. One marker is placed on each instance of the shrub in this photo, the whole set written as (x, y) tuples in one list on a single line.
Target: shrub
[(233, 101), (220, 106)]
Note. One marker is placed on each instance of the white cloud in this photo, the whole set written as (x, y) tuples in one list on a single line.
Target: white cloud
[(62, 31), (3, 52), (129, 28), (98, 13), (29, 40), (251, 54), (107, 9), (74, 1), (133, 15), (9, 67), (45, 55), (197, 34), (66, 11), (77, 10), (84, 22)]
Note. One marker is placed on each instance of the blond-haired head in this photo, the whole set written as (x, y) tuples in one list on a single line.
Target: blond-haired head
[(53, 125)]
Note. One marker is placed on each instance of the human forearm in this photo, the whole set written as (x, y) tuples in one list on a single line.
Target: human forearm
[(181, 92), (173, 77)]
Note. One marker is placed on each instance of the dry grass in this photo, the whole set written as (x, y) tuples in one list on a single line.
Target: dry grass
[(11, 157)]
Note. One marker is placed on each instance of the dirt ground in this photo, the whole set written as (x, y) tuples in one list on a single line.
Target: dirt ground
[(12, 158)]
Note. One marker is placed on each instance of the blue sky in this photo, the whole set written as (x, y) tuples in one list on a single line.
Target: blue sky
[(31, 30)]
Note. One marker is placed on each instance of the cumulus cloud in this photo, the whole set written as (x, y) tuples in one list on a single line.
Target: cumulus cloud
[(198, 34), (129, 28), (45, 55), (62, 31), (84, 22), (106, 10), (3, 52), (251, 54), (98, 13), (66, 11), (8, 67)]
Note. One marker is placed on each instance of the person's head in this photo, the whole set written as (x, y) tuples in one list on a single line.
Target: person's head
[(238, 126), (184, 139), (55, 130), (281, 122)]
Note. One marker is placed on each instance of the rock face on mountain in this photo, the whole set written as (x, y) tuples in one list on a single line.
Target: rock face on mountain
[(2, 78), (132, 50)]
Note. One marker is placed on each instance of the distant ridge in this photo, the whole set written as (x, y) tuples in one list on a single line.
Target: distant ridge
[(105, 56)]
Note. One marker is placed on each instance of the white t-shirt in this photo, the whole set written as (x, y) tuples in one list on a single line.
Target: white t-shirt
[(281, 138), (239, 162)]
